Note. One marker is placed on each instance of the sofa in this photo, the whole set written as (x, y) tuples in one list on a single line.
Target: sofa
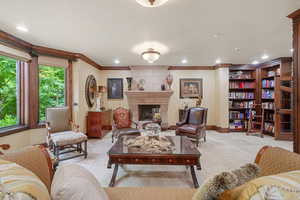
[(271, 160)]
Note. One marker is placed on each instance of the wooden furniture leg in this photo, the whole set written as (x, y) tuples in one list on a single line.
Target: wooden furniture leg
[(113, 178), (194, 177)]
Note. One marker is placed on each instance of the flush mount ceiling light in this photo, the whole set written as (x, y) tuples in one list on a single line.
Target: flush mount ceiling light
[(255, 62), (218, 61), (151, 3), (22, 28), (265, 56), (150, 55)]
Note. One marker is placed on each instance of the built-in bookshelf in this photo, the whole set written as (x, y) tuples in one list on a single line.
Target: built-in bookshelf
[(242, 96)]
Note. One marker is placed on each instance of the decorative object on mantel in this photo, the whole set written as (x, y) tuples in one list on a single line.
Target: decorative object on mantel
[(151, 3), (150, 55), (115, 88), (150, 144), (90, 90), (199, 101), (169, 80), (191, 88), (163, 87), (141, 84), (129, 82)]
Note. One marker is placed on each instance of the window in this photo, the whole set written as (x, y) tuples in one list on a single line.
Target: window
[(51, 88), (8, 92)]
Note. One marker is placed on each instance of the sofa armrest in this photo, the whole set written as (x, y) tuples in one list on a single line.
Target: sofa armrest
[(36, 159), (275, 160), (180, 123)]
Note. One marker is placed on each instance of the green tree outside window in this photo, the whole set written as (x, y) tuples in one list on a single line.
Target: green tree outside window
[(8, 92), (51, 89)]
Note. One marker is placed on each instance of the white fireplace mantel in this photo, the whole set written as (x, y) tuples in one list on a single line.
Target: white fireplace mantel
[(136, 98)]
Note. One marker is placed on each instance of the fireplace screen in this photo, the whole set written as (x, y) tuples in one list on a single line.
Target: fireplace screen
[(146, 112)]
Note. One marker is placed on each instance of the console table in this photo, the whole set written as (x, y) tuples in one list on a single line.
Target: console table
[(97, 122)]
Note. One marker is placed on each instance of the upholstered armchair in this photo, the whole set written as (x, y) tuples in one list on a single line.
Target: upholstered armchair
[(123, 124), (194, 124), (63, 134)]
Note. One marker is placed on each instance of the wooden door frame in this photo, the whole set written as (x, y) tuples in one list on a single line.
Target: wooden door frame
[(295, 16)]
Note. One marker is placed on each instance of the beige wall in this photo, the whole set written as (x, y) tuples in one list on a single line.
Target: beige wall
[(81, 70), (215, 91)]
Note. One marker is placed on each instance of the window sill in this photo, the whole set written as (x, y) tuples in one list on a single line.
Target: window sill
[(12, 129)]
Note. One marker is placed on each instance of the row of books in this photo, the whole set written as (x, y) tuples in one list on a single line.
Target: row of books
[(240, 85), (236, 115), (268, 83), (241, 95), (269, 127), (267, 94), (237, 124), (268, 105), (242, 104), (240, 75), (269, 116)]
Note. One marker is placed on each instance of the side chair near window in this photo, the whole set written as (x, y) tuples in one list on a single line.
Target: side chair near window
[(193, 124), (122, 123), (63, 134)]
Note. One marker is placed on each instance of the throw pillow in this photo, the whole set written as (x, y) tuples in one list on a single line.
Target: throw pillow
[(285, 186), (76, 183), (216, 185)]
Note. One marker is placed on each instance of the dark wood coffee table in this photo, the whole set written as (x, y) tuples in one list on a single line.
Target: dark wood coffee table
[(185, 153)]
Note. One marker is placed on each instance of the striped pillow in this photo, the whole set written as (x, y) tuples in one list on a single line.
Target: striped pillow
[(17, 179)]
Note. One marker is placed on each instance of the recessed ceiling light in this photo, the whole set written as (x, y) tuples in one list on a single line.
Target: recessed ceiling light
[(218, 61), (22, 28), (117, 61), (151, 3), (255, 62), (217, 35), (265, 56), (292, 50), (237, 49), (183, 61)]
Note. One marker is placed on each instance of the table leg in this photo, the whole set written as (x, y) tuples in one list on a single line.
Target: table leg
[(194, 177), (113, 178)]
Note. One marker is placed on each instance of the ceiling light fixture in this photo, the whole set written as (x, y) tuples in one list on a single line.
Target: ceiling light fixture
[(218, 61), (117, 61), (151, 3), (264, 57), (22, 28), (255, 62), (150, 55), (184, 61), (292, 50)]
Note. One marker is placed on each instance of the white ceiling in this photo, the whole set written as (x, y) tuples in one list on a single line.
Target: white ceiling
[(108, 29)]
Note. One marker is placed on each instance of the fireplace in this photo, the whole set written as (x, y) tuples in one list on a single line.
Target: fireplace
[(146, 112)]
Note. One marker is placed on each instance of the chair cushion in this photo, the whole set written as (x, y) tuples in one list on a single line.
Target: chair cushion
[(73, 182), (59, 119), (17, 179), (188, 128), (149, 193), (127, 131), (67, 137), (122, 118)]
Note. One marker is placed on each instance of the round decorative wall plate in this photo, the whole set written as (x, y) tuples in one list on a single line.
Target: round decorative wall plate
[(90, 90)]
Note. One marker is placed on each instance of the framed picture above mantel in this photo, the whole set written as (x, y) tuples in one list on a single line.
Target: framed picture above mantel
[(191, 88), (115, 88)]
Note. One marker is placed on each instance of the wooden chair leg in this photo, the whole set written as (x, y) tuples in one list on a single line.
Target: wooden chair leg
[(85, 149)]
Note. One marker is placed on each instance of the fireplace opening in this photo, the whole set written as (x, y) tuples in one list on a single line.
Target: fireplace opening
[(146, 112)]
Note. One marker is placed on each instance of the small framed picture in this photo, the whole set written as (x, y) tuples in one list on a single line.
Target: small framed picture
[(115, 88), (191, 88)]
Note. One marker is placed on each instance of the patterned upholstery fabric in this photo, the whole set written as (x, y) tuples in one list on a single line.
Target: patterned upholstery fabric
[(34, 159), (277, 160), (122, 118), (59, 119), (15, 178), (67, 137), (283, 186), (148, 193)]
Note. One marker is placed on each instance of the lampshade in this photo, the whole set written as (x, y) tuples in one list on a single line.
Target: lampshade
[(151, 55), (151, 3)]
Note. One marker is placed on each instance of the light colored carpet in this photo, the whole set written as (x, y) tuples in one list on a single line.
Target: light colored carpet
[(221, 152)]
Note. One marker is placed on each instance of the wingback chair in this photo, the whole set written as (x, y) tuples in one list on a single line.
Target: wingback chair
[(63, 134), (122, 123), (193, 124)]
